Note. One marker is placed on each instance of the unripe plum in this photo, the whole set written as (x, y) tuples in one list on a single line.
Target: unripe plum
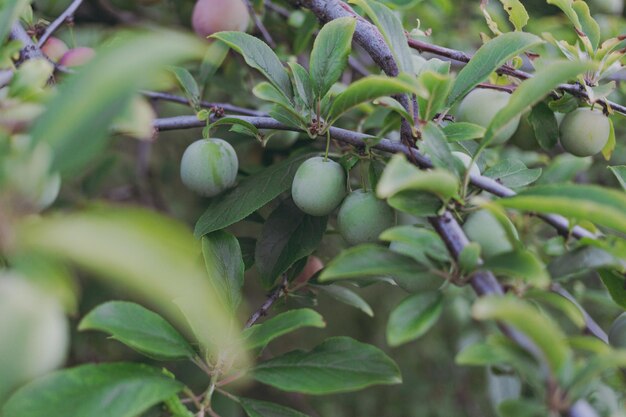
[(318, 186), (617, 332), (483, 228), (54, 48), (282, 140), (467, 160), (212, 16), (584, 132), (480, 107), (77, 57), (209, 166), (363, 217)]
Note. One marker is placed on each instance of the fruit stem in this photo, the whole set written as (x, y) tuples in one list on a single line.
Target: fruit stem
[(327, 145)]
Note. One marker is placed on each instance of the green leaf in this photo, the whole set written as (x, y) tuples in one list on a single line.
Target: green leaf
[(544, 125), (615, 283), (9, 12), (489, 58), (139, 328), (368, 261), (521, 264), (413, 317), (303, 84), (513, 173), (594, 367), (256, 408), (436, 88), (258, 55), (364, 90), (570, 308), (517, 13), (581, 202), (224, 265), (146, 254), (435, 145), (121, 69), (392, 30), (288, 236), (522, 408), (532, 91), (620, 173), (259, 335), (400, 175), (250, 195), (582, 260), (588, 24), (108, 390), (539, 328), (462, 131), (564, 168), (248, 127), (421, 244), (346, 296), (329, 56), (266, 91), (340, 364), (469, 258), (416, 203), (188, 83)]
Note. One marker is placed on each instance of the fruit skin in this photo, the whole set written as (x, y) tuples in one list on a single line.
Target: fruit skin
[(617, 332), (363, 217), (54, 48), (524, 137), (209, 166), (318, 186), (77, 57), (482, 227), (481, 105), (312, 267), (233, 15), (584, 132), (467, 160)]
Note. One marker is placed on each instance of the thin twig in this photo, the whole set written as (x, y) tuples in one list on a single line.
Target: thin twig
[(154, 95), (259, 24), (68, 14), (271, 299)]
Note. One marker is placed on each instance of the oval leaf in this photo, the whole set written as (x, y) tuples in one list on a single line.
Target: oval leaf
[(259, 335), (413, 317), (138, 328), (340, 364)]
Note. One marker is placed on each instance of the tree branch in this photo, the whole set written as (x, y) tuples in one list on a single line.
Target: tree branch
[(154, 95), (29, 49), (63, 17), (259, 24), (271, 299)]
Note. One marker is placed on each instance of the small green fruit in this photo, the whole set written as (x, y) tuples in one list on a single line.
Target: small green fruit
[(209, 166), (584, 132), (617, 332), (319, 186), (482, 227), (212, 16), (467, 160), (363, 217), (480, 107)]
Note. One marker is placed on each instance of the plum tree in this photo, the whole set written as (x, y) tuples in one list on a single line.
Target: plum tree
[(617, 332), (481, 105), (363, 217), (209, 166), (467, 160), (585, 131), (54, 48), (483, 228), (319, 186), (212, 16), (77, 56)]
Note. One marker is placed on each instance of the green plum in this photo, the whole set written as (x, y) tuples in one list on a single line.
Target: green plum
[(467, 160), (617, 332), (209, 166), (480, 107), (363, 217), (319, 186), (483, 227), (585, 132)]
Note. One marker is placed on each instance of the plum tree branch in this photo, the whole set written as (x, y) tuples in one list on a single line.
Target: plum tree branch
[(155, 95), (259, 24), (271, 299), (29, 49), (62, 18)]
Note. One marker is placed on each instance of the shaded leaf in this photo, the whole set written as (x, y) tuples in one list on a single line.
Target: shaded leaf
[(413, 317), (259, 335)]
